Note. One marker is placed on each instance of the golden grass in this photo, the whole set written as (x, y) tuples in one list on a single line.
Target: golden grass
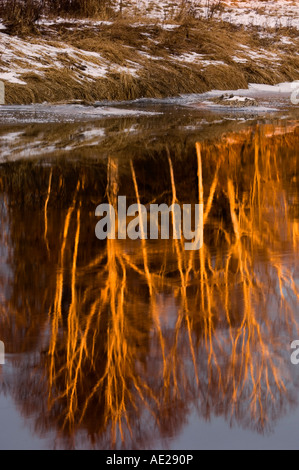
[(153, 52)]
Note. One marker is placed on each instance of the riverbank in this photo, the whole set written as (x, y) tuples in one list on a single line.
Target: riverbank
[(67, 60)]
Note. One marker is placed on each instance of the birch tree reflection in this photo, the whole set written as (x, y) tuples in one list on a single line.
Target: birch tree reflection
[(121, 340)]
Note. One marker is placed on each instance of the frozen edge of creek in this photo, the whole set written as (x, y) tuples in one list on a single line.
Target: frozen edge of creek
[(267, 98)]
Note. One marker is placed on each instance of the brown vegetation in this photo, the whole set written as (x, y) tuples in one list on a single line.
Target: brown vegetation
[(146, 61), (21, 16)]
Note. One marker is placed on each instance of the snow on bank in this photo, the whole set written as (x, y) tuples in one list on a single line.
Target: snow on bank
[(11, 77), (256, 90), (23, 61), (21, 58), (258, 97), (282, 88), (265, 14), (200, 59)]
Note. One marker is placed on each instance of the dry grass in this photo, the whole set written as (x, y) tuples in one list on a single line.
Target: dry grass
[(20, 16), (148, 61), (111, 352)]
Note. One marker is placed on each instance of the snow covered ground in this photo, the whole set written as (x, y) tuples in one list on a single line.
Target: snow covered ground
[(271, 13), (20, 57)]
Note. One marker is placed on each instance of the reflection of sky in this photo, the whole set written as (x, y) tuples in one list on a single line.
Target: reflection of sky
[(214, 435), (5, 269), (197, 434), (14, 431)]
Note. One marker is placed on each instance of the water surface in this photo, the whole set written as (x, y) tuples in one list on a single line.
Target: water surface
[(139, 345)]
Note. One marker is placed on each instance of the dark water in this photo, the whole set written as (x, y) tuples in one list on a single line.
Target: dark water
[(139, 345)]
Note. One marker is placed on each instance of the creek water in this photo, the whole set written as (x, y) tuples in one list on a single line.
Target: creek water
[(142, 344)]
